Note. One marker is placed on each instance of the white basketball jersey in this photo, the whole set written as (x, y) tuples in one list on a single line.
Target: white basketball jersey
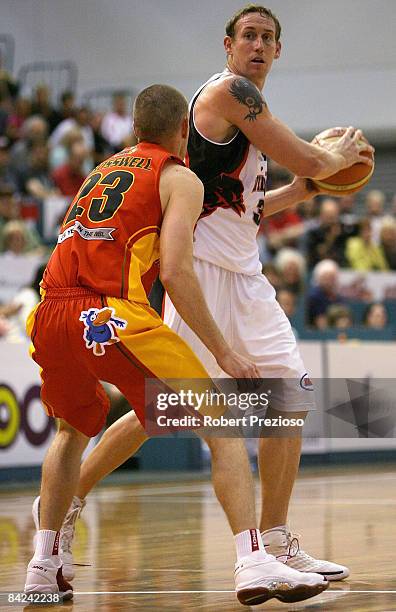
[(234, 176)]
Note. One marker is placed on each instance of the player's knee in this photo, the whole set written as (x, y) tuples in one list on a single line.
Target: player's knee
[(68, 431)]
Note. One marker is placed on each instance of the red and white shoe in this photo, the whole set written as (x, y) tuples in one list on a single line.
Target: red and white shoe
[(45, 576), (285, 546), (66, 533), (260, 577)]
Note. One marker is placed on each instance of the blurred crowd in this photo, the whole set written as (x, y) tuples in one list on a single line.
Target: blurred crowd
[(305, 251), (47, 149)]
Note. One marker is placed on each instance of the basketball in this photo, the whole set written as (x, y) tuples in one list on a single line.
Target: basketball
[(349, 180)]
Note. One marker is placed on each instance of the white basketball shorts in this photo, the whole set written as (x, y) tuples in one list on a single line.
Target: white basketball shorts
[(254, 325)]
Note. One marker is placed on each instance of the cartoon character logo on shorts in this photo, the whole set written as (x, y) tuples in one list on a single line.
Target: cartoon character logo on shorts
[(306, 382), (100, 327)]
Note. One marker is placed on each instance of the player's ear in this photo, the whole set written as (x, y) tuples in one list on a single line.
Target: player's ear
[(227, 44), (278, 50)]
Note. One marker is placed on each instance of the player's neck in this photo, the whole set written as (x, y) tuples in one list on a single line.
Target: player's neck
[(258, 82)]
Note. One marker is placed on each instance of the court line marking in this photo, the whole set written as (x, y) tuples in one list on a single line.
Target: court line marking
[(209, 592)]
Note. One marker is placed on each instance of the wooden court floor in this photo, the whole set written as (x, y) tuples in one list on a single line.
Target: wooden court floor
[(167, 546)]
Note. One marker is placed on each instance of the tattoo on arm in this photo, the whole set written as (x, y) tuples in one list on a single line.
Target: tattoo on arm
[(246, 93)]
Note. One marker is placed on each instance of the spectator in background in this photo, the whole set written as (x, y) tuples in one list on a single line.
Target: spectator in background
[(375, 203), (116, 125), (41, 103), (375, 316), (102, 148), (284, 228), (69, 177), (288, 302), (34, 179), (8, 85), (66, 110), (328, 239), (7, 175), (34, 131), (388, 241), (9, 208), (81, 121), (18, 239), (346, 206), (21, 111), (291, 266), (339, 316), (361, 251), (323, 293)]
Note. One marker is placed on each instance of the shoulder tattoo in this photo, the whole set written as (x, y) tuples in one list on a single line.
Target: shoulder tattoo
[(245, 92)]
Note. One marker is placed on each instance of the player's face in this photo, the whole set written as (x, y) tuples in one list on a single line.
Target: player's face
[(253, 48)]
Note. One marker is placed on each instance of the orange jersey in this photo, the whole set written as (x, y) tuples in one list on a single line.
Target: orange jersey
[(109, 239)]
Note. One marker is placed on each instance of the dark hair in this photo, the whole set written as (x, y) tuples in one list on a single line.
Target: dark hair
[(158, 111), (252, 8)]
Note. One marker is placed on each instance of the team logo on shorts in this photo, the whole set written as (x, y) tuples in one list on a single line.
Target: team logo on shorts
[(306, 382), (100, 327)]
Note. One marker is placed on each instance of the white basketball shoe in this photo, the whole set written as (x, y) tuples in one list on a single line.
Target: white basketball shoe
[(260, 577), (66, 533), (284, 545), (45, 576)]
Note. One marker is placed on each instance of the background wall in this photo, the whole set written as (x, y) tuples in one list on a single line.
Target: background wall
[(338, 64)]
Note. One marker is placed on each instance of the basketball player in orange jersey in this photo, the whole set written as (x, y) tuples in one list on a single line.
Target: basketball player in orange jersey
[(94, 323)]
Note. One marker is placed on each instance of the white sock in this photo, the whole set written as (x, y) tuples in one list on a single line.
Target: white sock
[(47, 543), (248, 542)]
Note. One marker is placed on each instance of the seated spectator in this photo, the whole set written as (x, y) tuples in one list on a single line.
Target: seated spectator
[(323, 293), (18, 239), (69, 177), (291, 265), (66, 109), (41, 102), (8, 86), (7, 174), (20, 113), (346, 206), (81, 120), (283, 229), (9, 208), (362, 253), (288, 302), (103, 149), (375, 203), (375, 316), (328, 239), (34, 131), (339, 316), (34, 179), (116, 125), (388, 241)]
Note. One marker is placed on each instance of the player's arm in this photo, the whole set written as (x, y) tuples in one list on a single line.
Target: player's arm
[(182, 197), (238, 101)]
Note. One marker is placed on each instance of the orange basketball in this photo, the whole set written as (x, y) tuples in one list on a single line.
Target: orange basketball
[(348, 180)]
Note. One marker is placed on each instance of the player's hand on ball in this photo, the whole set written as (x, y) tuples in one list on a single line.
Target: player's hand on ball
[(351, 145)]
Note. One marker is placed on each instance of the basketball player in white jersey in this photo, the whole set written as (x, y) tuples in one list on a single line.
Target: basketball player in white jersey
[(231, 133)]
